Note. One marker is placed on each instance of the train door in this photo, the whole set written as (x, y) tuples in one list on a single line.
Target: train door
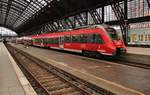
[(61, 42), (93, 42)]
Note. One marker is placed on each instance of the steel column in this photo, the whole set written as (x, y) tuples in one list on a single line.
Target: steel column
[(126, 21), (96, 17), (148, 3), (103, 17), (122, 17)]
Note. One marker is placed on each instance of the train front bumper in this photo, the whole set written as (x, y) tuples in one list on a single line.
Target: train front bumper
[(121, 51)]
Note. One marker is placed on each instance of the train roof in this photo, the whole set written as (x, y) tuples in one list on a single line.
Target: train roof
[(74, 31), (24, 37), (93, 26)]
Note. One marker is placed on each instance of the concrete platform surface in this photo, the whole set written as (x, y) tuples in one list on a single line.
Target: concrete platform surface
[(9, 83), (126, 77), (137, 55), (138, 50), (12, 80)]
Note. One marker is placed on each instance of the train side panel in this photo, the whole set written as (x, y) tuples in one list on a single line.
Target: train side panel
[(93, 40)]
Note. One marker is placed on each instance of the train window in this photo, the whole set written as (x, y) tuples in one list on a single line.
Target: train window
[(141, 37), (52, 41), (56, 41), (84, 38), (38, 41), (75, 38), (49, 41), (149, 37), (145, 37), (112, 33), (98, 39), (34, 40), (67, 39), (45, 41), (95, 38), (90, 38), (42, 40)]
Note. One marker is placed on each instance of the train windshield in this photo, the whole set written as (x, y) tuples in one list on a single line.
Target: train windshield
[(113, 33)]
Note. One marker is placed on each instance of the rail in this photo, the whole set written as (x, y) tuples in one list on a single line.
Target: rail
[(49, 80)]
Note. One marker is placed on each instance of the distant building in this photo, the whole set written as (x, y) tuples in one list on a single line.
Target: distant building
[(140, 33)]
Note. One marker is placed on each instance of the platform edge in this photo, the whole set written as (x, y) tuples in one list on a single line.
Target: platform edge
[(21, 77)]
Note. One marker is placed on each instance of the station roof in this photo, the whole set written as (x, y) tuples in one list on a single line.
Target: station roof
[(21, 15)]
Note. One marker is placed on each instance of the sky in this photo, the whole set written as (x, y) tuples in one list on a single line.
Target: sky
[(7, 32)]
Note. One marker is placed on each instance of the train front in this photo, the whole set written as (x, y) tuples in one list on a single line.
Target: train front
[(117, 41)]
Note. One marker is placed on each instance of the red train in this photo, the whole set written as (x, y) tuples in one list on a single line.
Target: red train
[(97, 39)]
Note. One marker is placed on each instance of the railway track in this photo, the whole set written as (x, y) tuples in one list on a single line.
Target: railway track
[(49, 80), (133, 64), (118, 60)]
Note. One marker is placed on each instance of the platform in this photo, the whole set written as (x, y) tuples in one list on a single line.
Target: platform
[(12, 81), (137, 55), (127, 78), (138, 50)]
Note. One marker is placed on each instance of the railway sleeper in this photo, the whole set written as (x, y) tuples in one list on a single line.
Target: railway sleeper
[(45, 77), (41, 71), (58, 87), (49, 80), (67, 90), (74, 93), (52, 83), (63, 91)]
